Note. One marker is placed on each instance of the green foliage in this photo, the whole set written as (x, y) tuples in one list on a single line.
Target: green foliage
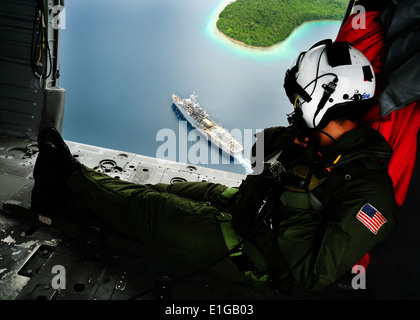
[(263, 23)]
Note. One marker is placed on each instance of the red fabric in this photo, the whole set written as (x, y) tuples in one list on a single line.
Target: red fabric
[(400, 127), (401, 133), (369, 40)]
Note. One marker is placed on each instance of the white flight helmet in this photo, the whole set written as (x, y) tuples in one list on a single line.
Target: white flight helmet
[(330, 80)]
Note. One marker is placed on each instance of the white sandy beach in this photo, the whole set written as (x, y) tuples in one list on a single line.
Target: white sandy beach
[(277, 48), (232, 41)]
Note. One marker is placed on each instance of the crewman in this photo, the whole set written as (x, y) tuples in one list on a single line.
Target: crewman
[(323, 199)]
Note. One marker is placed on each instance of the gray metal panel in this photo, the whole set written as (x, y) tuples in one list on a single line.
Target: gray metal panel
[(23, 243), (26, 102), (20, 97)]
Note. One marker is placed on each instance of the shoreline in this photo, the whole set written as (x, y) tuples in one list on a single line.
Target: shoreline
[(241, 44), (221, 7)]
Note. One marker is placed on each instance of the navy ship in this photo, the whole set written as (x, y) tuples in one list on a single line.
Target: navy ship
[(200, 120)]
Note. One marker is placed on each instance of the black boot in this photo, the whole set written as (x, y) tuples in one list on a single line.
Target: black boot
[(65, 160), (53, 167)]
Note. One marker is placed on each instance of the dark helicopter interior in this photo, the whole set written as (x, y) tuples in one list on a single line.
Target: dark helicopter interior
[(37, 247)]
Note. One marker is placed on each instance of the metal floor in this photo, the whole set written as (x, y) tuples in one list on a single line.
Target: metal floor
[(98, 264), (102, 265)]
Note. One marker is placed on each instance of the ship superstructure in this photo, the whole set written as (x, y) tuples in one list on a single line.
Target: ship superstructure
[(200, 120)]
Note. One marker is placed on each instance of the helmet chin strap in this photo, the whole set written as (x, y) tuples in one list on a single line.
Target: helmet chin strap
[(329, 136), (296, 121)]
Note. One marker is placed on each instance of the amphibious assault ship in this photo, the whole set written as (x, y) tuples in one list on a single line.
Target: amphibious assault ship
[(200, 120)]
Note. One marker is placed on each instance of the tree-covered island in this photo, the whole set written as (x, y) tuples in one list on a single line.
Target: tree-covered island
[(262, 23)]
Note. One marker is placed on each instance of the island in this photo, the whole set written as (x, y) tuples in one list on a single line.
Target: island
[(263, 23)]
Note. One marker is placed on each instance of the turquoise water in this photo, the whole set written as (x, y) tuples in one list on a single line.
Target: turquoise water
[(286, 50), (121, 62)]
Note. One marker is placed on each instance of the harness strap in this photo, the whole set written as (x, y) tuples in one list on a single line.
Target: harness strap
[(246, 256), (340, 173)]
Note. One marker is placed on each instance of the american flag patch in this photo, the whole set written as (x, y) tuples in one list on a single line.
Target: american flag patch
[(371, 218)]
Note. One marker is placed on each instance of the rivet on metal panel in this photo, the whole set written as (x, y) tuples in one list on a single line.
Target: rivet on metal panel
[(122, 282)]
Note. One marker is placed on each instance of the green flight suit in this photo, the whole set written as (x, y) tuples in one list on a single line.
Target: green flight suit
[(316, 235), (318, 231), (179, 220)]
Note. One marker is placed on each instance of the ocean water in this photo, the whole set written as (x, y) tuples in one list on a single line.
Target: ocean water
[(121, 62)]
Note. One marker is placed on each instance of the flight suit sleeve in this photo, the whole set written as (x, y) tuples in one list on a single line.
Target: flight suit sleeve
[(319, 246)]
